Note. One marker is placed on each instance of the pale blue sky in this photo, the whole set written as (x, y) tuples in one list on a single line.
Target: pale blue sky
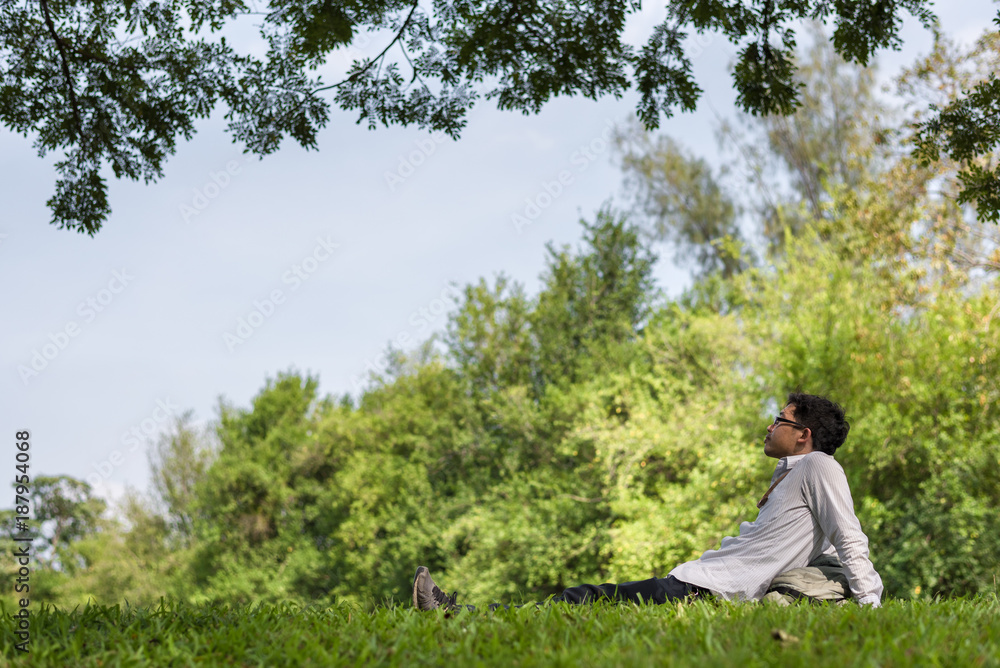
[(167, 286)]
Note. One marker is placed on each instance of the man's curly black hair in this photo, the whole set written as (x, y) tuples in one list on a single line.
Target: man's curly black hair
[(824, 418)]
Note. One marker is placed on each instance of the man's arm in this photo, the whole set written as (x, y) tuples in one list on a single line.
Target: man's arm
[(829, 498)]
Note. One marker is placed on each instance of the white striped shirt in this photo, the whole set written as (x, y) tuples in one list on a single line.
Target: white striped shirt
[(808, 513)]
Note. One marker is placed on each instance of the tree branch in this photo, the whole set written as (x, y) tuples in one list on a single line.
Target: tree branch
[(65, 66), (379, 57)]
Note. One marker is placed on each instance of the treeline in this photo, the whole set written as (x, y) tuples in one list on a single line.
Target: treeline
[(596, 431)]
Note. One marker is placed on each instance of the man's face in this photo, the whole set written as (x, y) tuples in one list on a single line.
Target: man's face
[(784, 439)]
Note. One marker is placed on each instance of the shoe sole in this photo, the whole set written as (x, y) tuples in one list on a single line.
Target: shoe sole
[(421, 571)]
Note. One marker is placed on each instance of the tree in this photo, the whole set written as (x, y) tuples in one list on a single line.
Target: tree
[(177, 463), (966, 127), (79, 553), (835, 138), (682, 201), (66, 509), (489, 337), (117, 82), (780, 171), (594, 303)]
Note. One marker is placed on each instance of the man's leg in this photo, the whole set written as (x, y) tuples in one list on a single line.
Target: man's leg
[(653, 590), (428, 596)]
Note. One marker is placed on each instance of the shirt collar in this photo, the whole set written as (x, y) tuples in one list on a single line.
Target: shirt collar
[(786, 464), (791, 460)]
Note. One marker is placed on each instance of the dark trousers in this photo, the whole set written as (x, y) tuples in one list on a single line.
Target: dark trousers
[(653, 590)]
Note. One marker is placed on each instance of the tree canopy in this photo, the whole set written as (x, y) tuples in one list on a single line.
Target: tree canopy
[(118, 82), (782, 173), (966, 128)]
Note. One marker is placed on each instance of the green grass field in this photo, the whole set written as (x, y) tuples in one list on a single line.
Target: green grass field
[(945, 633)]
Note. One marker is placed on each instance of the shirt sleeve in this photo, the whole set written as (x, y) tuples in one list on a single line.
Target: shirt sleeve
[(829, 498)]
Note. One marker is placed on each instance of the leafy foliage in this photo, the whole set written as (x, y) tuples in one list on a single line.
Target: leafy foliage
[(966, 128), (177, 464), (117, 82), (779, 171), (79, 555), (683, 201)]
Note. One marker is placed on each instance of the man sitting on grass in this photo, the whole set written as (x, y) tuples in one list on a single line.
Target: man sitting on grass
[(807, 512)]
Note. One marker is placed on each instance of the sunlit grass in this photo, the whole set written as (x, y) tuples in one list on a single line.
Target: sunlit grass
[(946, 633)]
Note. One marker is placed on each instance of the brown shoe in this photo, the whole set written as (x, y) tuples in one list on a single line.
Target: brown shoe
[(428, 596)]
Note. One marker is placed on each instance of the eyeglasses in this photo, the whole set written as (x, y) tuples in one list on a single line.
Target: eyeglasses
[(778, 421)]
